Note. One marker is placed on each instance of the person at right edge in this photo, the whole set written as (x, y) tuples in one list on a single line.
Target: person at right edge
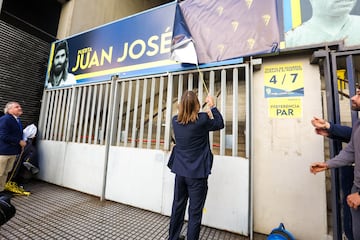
[(341, 133), (191, 160), (348, 156)]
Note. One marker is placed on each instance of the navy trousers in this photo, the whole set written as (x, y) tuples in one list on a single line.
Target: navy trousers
[(194, 190)]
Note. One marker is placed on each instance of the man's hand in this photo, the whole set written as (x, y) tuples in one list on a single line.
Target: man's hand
[(321, 126), (22, 143), (318, 167), (322, 132), (353, 200)]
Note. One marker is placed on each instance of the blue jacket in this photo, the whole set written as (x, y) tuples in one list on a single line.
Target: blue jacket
[(10, 135), (191, 156), (339, 132)]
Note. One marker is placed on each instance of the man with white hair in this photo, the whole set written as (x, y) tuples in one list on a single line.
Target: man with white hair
[(11, 139)]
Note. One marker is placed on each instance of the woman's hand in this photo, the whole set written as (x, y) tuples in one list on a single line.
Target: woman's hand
[(210, 101)]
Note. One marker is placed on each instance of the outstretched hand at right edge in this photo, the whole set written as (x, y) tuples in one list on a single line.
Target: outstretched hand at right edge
[(318, 167), (320, 123), (321, 126)]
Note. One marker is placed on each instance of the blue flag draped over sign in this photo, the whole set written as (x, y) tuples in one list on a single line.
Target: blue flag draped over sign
[(226, 29), (182, 46)]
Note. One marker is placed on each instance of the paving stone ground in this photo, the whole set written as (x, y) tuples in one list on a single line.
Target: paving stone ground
[(54, 212)]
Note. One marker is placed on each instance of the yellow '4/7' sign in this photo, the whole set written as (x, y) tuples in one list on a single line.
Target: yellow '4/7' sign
[(285, 80)]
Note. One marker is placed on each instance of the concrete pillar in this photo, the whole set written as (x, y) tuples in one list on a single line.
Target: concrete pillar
[(65, 21)]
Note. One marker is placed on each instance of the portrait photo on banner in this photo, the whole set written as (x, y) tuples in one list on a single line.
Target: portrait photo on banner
[(58, 72)]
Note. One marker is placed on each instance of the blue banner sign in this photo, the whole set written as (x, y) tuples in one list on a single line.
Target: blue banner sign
[(136, 43)]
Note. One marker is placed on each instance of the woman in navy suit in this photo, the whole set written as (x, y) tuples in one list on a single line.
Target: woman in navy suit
[(191, 160)]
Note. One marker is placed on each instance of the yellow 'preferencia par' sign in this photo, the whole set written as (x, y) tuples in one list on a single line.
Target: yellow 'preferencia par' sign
[(285, 107)]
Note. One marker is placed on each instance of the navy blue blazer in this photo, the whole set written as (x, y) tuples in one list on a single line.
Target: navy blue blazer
[(191, 156), (340, 132), (10, 135)]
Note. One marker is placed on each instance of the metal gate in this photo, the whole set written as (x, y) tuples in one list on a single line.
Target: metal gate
[(137, 112)]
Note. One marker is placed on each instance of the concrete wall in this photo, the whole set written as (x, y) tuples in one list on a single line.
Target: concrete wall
[(81, 15), (283, 149), (73, 165), (141, 178)]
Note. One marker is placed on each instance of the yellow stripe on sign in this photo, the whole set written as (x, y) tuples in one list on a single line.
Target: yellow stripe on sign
[(142, 66), (295, 13), (51, 58)]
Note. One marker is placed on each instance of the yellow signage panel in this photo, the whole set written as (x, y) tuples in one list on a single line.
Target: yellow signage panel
[(285, 107), (284, 80)]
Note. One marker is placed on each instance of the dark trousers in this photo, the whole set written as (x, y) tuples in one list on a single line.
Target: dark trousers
[(346, 183), (194, 189), (355, 214)]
